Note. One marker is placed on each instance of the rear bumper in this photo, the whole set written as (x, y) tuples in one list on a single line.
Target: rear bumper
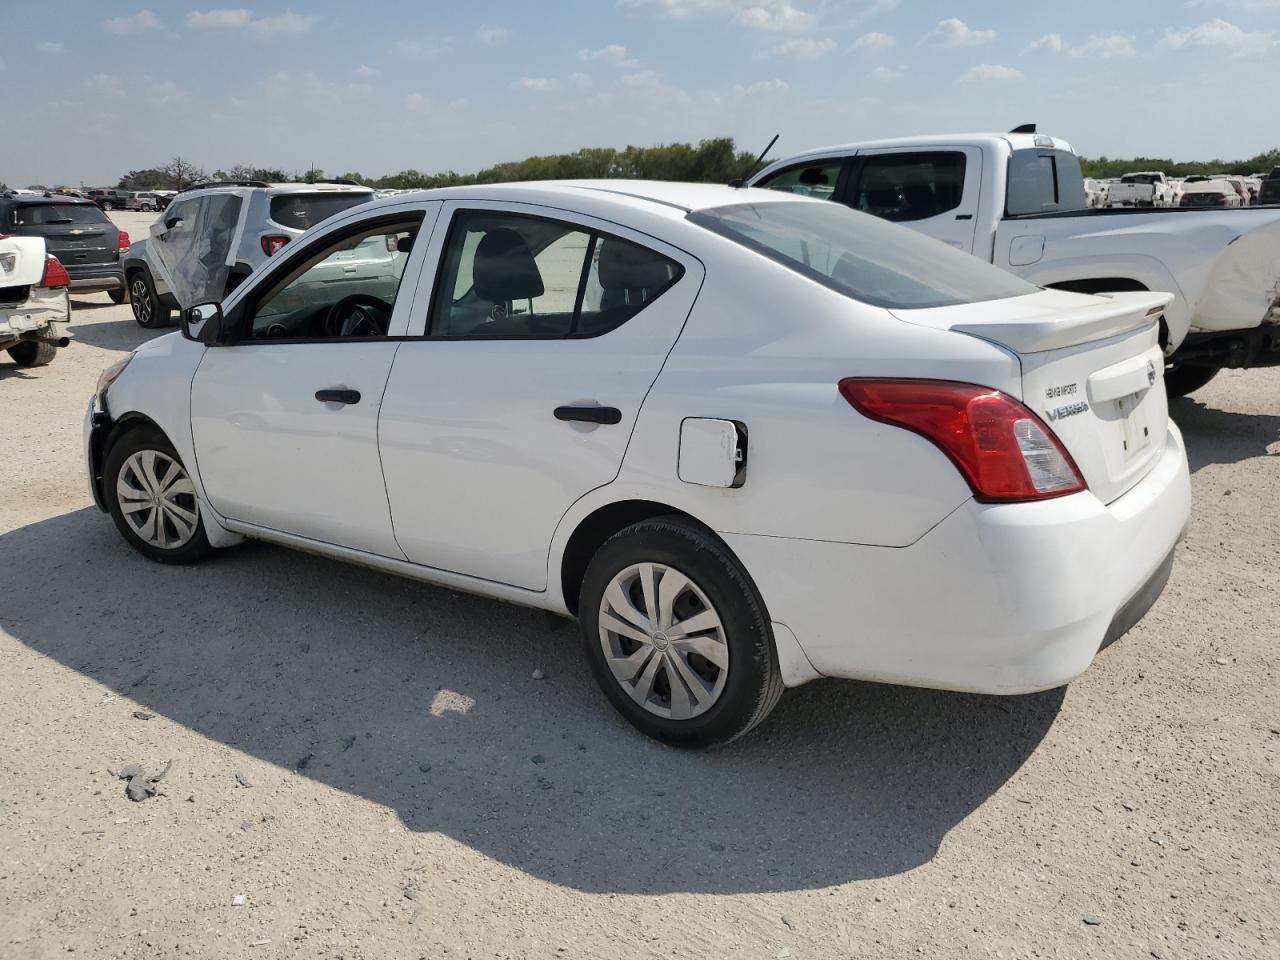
[(95, 276), (997, 598)]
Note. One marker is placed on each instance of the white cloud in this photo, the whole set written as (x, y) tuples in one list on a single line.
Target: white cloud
[(238, 18), (493, 36), (758, 14), (761, 88), (219, 19), (868, 10), (956, 33), (536, 84), (49, 46), (991, 71), (580, 80), (654, 89), (1223, 35), (417, 103), (799, 48), (366, 71), (874, 42), (886, 74), (107, 84), (1050, 41), (1099, 46), (614, 54), (132, 23)]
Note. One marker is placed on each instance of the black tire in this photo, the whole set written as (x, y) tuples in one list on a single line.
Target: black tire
[(107, 207), (1181, 378), (33, 353), (753, 682), (140, 440), (148, 311), (118, 296)]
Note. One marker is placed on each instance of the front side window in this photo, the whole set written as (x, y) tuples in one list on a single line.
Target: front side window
[(345, 289), (816, 179), (862, 257), (510, 276), (902, 187)]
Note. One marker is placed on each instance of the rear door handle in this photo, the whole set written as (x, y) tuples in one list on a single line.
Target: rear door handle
[(338, 396), (589, 414)]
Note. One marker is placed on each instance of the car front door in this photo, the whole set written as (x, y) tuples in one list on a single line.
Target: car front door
[(285, 419), (545, 332), (933, 190)]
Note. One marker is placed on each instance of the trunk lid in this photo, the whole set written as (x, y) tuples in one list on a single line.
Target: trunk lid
[(1092, 370), (21, 262)]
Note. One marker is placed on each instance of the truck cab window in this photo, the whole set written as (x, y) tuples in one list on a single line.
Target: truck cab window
[(902, 187)]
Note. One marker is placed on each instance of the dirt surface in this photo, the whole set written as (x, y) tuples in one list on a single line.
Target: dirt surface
[(365, 767)]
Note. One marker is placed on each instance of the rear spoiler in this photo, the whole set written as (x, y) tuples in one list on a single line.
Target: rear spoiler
[(1118, 313)]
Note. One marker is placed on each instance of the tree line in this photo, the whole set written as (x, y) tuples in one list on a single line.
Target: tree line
[(715, 160)]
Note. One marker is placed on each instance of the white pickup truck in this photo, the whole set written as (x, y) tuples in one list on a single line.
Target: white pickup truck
[(1017, 200), (1146, 189)]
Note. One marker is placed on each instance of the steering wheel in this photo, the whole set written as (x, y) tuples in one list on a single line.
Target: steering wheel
[(359, 315)]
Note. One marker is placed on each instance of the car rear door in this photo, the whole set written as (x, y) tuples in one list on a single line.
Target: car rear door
[(519, 392), (934, 190)]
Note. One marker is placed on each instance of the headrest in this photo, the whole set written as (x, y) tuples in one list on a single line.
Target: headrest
[(504, 269), (625, 266), (404, 244)]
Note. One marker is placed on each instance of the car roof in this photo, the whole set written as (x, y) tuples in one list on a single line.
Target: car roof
[(1015, 141), (276, 189), (677, 198), (41, 198)]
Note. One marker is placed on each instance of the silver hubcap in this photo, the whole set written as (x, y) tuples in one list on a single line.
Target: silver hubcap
[(157, 499), (663, 641)]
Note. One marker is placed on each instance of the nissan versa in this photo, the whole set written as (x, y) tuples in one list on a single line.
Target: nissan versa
[(746, 438)]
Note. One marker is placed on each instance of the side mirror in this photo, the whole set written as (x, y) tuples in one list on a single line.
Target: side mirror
[(203, 323)]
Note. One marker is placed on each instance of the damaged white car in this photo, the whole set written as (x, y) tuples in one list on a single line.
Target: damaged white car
[(35, 311)]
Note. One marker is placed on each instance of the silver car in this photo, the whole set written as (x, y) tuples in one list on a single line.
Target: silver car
[(212, 236)]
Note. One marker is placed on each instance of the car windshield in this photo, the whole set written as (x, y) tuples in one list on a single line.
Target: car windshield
[(302, 211), (860, 256), (37, 214)]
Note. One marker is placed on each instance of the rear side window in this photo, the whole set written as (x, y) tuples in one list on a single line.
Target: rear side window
[(39, 214), (862, 257), (509, 276), (302, 211), (1044, 181), (817, 179), (902, 187)]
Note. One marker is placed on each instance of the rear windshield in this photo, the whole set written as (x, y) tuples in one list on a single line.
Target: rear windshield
[(1147, 178), (1044, 181), (37, 214), (861, 256), (302, 211)]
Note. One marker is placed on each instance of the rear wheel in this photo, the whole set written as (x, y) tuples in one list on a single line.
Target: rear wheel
[(1181, 379), (33, 353), (147, 308), (677, 635), (152, 498), (107, 207)]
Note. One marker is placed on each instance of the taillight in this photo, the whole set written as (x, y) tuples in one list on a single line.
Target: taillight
[(273, 244), (123, 244), (55, 274), (1003, 450)]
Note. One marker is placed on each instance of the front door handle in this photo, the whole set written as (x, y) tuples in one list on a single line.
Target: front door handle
[(589, 414), (338, 396)]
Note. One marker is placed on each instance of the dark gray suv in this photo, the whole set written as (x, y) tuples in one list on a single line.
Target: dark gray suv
[(75, 231)]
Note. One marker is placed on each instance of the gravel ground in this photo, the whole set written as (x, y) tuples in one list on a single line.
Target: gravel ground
[(365, 767)]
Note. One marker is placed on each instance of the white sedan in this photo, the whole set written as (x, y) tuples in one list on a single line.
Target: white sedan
[(747, 439), (35, 309)]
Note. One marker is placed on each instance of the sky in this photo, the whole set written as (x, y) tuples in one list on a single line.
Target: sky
[(95, 88)]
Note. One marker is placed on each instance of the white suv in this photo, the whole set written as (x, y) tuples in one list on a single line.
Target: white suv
[(212, 236), (746, 438)]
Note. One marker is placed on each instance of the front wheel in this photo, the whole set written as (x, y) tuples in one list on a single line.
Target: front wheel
[(677, 635), (152, 499), (1181, 379), (148, 311)]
